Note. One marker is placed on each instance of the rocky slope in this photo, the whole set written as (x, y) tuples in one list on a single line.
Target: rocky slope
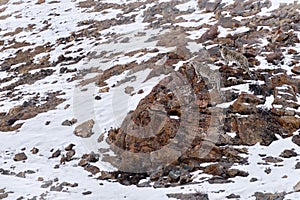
[(108, 90)]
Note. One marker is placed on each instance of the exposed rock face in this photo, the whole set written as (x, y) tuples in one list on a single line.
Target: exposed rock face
[(85, 129)]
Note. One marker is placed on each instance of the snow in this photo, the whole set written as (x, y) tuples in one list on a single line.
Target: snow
[(114, 105)]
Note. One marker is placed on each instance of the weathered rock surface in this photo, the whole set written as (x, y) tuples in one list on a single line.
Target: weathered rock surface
[(85, 129), (20, 157)]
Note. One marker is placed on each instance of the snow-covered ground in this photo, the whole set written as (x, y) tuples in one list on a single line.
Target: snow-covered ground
[(54, 20)]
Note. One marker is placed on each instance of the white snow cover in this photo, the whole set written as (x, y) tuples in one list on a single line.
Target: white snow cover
[(113, 107)]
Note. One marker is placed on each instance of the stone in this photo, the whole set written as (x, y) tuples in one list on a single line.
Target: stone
[(210, 34), (192, 196), (34, 150), (297, 187), (84, 130), (92, 169), (271, 159), (40, 1), (253, 179), (87, 193), (288, 153), (69, 147), (69, 122), (20, 157), (104, 90), (296, 70), (70, 154), (274, 58), (233, 196), (83, 163), (269, 196), (46, 184), (56, 153), (297, 166), (296, 139), (4, 195), (57, 188), (129, 90)]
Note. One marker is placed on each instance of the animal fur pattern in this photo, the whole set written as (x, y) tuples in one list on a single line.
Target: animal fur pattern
[(202, 70), (238, 58)]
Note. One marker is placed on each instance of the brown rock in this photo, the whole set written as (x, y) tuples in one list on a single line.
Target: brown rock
[(296, 70), (34, 150), (69, 122), (70, 154), (296, 139), (274, 58), (129, 89), (255, 129), (85, 129), (269, 196), (271, 159), (69, 147), (4, 195), (288, 154), (20, 157), (56, 153), (297, 187), (40, 1), (104, 90), (210, 34), (92, 169), (290, 122), (83, 163)]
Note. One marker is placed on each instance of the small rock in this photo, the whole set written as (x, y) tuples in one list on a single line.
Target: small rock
[(253, 179), (70, 154), (269, 196), (268, 170), (56, 153), (233, 196), (288, 154), (69, 147), (292, 51), (104, 90), (21, 175), (84, 130), (40, 1), (82, 163), (92, 169), (271, 159), (34, 150), (69, 122), (47, 123), (174, 175), (91, 157), (297, 187), (46, 184), (57, 188), (87, 193), (129, 89), (274, 58), (40, 179), (296, 139), (4, 195), (101, 137), (98, 97), (297, 166), (296, 70), (141, 91), (20, 157)]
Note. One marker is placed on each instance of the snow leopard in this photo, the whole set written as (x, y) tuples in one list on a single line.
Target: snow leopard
[(238, 58), (202, 70)]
